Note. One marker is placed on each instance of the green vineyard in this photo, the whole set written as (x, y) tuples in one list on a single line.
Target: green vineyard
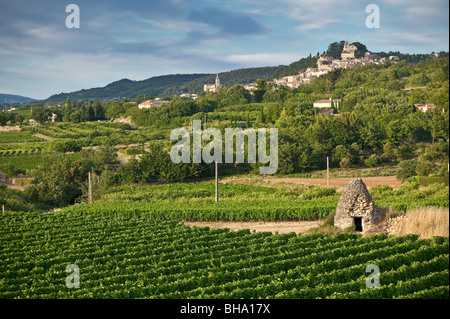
[(29, 162), (243, 202), (133, 256), (269, 211), (18, 137)]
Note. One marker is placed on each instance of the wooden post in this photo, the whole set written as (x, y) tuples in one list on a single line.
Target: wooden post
[(328, 171), (217, 185), (89, 188)]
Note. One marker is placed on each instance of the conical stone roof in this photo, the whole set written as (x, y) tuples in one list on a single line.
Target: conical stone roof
[(355, 201), (354, 190)]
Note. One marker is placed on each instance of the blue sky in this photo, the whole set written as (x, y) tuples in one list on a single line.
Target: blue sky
[(40, 56)]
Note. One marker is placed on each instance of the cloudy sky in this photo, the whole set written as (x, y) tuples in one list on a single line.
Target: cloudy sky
[(40, 56)]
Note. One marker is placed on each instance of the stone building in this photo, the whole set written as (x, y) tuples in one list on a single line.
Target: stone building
[(425, 107), (348, 52), (327, 103), (213, 87), (356, 208)]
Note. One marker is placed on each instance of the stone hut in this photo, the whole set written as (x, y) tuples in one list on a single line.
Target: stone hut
[(356, 207)]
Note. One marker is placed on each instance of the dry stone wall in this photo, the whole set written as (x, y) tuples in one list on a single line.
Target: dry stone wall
[(356, 203)]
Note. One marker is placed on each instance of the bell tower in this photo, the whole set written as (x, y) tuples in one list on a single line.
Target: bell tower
[(217, 81)]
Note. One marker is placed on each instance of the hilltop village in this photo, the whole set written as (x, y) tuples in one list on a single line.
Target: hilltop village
[(325, 64)]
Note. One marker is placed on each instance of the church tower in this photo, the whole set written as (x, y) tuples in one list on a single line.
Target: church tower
[(217, 81), (213, 87), (348, 52)]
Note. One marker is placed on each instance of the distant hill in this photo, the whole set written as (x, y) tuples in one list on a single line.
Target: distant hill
[(126, 88), (13, 99), (244, 76), (169, 85), (295, 67), (228, 79)]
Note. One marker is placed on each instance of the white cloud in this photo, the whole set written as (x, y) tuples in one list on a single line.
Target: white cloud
[(317, 24)]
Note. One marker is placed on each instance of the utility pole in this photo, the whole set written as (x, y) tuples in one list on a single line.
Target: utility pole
[(204, 125), (217, 184), (328, 171), (90, 188)]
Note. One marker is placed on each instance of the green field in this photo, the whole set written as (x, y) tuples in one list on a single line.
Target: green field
[(132, 256), (18, 137), (243, 202), (28, 162)]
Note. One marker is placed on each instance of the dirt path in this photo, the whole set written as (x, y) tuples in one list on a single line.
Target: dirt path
[(340, 183), (45, 137), (280, 227), (343, 181), (13, 186)]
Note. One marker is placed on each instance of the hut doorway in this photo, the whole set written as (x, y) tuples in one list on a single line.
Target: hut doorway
[(357, 221)]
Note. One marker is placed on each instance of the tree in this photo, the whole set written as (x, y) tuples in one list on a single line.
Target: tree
[(262, 117), (40, 114), (345, 162), (388, 153), (115, 109), (287, 159), (406, 169), (103, 158), (180, 107), (259, 91), (335, 49), (68, 110), (57, 181), (206, 105), (66, 145), (438, 124), (10, 169), (361, 49), (424, 168), (19, 118), (99, 111), (372, 161), (91, 113), (235, 95), (340, 152)]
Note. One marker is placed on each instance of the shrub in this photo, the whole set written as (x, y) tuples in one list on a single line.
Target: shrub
[(406, 169), (345, 162), (64, 146), (424, 168), (372, 161), (134, 151), (10, 169)]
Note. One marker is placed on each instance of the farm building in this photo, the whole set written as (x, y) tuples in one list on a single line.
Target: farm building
[(425, 107), (327, 103), (356, 208)]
